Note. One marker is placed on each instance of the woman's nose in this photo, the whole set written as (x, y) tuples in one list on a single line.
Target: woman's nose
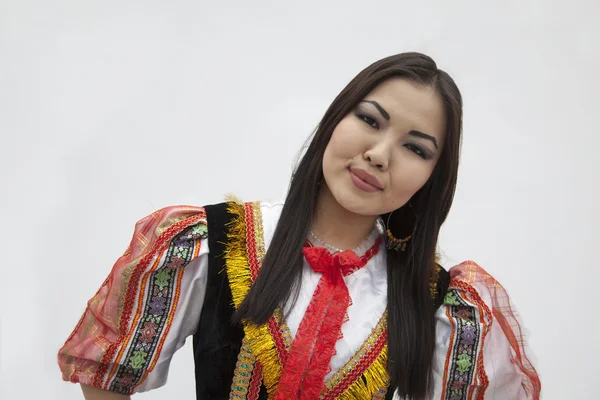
[(378, 156)]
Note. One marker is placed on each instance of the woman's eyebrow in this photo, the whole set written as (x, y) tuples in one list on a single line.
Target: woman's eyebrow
[(381, 110), (422, 135)]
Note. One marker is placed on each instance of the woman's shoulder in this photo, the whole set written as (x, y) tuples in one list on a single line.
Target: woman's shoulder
[(267, 206), (474, 282), (163, 225)]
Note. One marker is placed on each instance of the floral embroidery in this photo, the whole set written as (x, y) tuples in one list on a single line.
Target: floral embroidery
[(158, 306), (149, 332), (200, 230), (450, 299), (176, 262), (467, 334)]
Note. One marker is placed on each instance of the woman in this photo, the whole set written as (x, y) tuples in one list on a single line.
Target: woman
[(308, 318)]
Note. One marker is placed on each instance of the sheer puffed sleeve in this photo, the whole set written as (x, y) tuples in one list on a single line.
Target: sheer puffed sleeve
[(481, 350), (146, 308)]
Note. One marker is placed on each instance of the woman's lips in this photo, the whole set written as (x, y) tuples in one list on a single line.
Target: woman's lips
[(364, 181)]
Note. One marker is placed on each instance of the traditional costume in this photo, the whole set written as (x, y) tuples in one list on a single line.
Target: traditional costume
[(188, 268)]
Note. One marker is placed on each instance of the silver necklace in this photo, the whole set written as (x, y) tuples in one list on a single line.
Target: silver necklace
[(322, 243)]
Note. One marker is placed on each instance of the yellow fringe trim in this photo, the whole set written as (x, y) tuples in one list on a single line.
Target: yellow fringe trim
[(232, 198), (433, 281), (375, 379), (240, 281)]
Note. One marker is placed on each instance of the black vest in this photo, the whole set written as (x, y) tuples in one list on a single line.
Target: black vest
[(217, 342)]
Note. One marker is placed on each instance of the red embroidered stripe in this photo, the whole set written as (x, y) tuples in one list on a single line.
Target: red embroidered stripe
[(357, 372), (254, 389), (251, 240), (274, 328)]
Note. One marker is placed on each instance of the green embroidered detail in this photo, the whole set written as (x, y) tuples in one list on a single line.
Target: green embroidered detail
[(463, 362), (138, 359), (181, 252), (450, 299), (200, 230), (162, 278)]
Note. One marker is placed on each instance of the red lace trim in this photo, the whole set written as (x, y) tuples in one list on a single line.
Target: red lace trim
[(310, 354)]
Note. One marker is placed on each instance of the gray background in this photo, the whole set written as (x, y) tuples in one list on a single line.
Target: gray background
[(110, 110)]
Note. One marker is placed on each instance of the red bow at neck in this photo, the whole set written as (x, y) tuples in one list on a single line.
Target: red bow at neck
[(303, 375)]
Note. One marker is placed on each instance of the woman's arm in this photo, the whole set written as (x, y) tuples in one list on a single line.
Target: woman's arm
[(92, 393), (484, 350), (150, 302)]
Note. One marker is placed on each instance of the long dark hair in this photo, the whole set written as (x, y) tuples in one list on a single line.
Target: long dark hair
[(411, 326)]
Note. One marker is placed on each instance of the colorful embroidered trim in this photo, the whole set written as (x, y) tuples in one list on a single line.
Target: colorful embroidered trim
[(242, 375), (255, 383), (256, 254), (464, 375), (241, 271), (380, 394), (469, 275), (142, 341), (365, 374), (163, 286)]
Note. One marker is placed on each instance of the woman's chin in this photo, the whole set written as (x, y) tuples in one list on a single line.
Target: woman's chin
[(358, 205)]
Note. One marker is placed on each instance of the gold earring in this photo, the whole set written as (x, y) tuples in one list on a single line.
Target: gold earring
[(393, 243)]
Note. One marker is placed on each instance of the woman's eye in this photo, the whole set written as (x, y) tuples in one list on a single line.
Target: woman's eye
[(417, 150), (370, 121)]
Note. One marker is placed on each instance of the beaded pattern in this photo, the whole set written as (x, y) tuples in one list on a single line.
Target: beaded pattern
[(393, 243), (380, 395), (243, 372), (283, 328)]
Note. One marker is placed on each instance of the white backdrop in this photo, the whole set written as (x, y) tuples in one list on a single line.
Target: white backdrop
[(110, 110)]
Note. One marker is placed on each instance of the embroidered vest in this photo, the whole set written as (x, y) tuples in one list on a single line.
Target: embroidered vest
[(244, 362)]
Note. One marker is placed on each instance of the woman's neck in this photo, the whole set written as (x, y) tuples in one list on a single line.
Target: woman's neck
[(338, 227)]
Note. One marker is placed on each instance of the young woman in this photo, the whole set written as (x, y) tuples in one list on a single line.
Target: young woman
[(335, 293)]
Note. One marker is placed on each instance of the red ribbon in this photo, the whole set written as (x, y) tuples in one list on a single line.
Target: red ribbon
[(303, 375)]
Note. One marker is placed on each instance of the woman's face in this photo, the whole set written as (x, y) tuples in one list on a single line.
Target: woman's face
[(385, 150)]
